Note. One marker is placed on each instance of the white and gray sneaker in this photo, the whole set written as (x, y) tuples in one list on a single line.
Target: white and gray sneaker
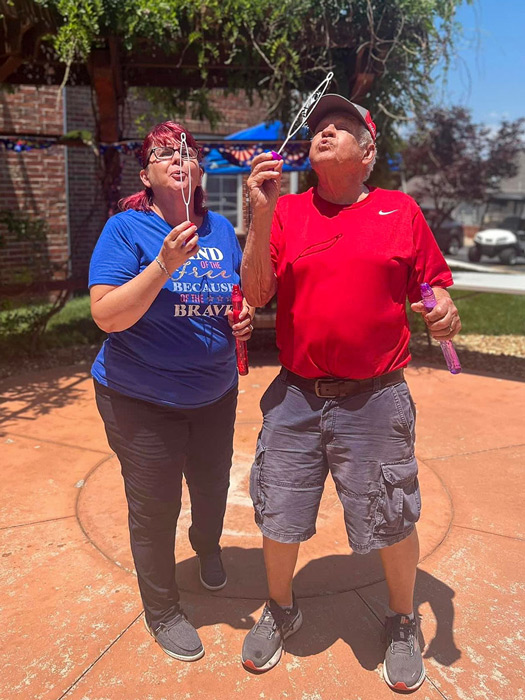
[(178, 638), (264, 643), (403, 667)]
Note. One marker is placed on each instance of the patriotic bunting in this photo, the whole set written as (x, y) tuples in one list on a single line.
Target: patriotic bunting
[(240, 154)]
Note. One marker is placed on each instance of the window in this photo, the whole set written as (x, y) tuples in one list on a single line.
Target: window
[(222, 198)]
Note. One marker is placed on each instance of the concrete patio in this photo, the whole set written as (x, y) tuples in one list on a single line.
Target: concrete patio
[(71, 613)]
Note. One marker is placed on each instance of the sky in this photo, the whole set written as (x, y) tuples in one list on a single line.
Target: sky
[(489, 75)]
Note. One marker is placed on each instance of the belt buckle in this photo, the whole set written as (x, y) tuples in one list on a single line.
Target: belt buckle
[(324, 393)]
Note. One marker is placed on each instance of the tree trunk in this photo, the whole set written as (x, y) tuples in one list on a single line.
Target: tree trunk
[(106, 79)]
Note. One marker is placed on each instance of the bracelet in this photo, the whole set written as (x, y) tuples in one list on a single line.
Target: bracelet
[(162, 266)]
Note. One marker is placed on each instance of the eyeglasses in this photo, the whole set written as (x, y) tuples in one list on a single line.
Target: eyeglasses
[(167, 153)]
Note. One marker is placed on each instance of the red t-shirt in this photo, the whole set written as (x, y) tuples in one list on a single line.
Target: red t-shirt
[(343, 276)]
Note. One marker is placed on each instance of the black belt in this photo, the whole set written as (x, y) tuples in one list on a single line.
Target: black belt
[(333, 388)]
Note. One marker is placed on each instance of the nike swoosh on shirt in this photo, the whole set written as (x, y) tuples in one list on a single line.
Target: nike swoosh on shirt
[(384, 213)]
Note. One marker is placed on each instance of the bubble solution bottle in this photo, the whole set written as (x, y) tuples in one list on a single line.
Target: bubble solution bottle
[(449, 353)]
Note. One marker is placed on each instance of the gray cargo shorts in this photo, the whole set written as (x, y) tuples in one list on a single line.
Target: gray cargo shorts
[(366, 441)]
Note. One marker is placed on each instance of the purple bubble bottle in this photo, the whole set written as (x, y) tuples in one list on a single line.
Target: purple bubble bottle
[(449, 352)]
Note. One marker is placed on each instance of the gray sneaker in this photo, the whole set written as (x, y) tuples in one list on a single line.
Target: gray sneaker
[(403, 666), (264, 643), (178, 638)]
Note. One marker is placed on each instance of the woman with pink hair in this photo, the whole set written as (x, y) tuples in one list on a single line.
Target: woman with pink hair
[(161, 279)]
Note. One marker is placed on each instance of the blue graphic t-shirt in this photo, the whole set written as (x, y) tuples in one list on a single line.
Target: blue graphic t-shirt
[(181, 352)]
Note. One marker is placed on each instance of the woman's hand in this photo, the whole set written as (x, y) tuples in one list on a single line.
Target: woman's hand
[(264, 183), (242, 330), (178, 246)]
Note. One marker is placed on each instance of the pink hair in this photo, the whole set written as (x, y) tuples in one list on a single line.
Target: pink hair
[(162, 135)]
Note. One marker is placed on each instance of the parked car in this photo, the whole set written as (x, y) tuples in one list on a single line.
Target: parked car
[(502, 233), (448, 233)]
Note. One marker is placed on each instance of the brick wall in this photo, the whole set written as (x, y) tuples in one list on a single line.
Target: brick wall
[(32, 183), (62, 185), (87, 209), (236, 111)]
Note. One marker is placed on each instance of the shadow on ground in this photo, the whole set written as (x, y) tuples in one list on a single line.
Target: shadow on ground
[(29, 396), (474, 362), (327, 617), (335, 574)]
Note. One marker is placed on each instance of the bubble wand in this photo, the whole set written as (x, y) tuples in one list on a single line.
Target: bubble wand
[(184, 144), (302, 115), (429, 301)]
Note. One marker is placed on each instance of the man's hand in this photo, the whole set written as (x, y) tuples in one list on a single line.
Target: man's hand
[(264, 183), (443, 320)]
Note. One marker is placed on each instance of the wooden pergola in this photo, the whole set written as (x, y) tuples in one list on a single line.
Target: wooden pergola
[(111, 69)]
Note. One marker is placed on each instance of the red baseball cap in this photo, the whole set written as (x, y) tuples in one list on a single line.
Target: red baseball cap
[(336, 103)]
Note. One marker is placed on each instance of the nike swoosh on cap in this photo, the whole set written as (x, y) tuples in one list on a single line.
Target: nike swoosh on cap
[(384, 213)]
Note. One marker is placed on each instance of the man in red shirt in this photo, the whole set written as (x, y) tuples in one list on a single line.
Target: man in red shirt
[(343, 258)]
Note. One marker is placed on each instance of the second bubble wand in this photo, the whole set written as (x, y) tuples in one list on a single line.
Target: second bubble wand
[(302, 115)]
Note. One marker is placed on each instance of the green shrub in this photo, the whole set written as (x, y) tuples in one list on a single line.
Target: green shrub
[(72, 325), (485, 314)]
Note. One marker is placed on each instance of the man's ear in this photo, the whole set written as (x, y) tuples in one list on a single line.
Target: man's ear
[(144, 177), (369, 154)]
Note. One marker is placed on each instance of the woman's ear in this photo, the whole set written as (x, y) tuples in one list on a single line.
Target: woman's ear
[(144, 178)]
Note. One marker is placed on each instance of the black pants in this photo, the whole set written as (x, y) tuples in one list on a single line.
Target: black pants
[(156, 445)]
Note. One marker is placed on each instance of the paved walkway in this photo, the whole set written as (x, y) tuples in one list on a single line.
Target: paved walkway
[(71, 614)]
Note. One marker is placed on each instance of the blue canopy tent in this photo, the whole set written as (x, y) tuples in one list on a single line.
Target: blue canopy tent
[(228, 158), (231, 159)]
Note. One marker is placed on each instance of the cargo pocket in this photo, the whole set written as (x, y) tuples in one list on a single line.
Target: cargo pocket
[(401, 502), (256, 492)]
